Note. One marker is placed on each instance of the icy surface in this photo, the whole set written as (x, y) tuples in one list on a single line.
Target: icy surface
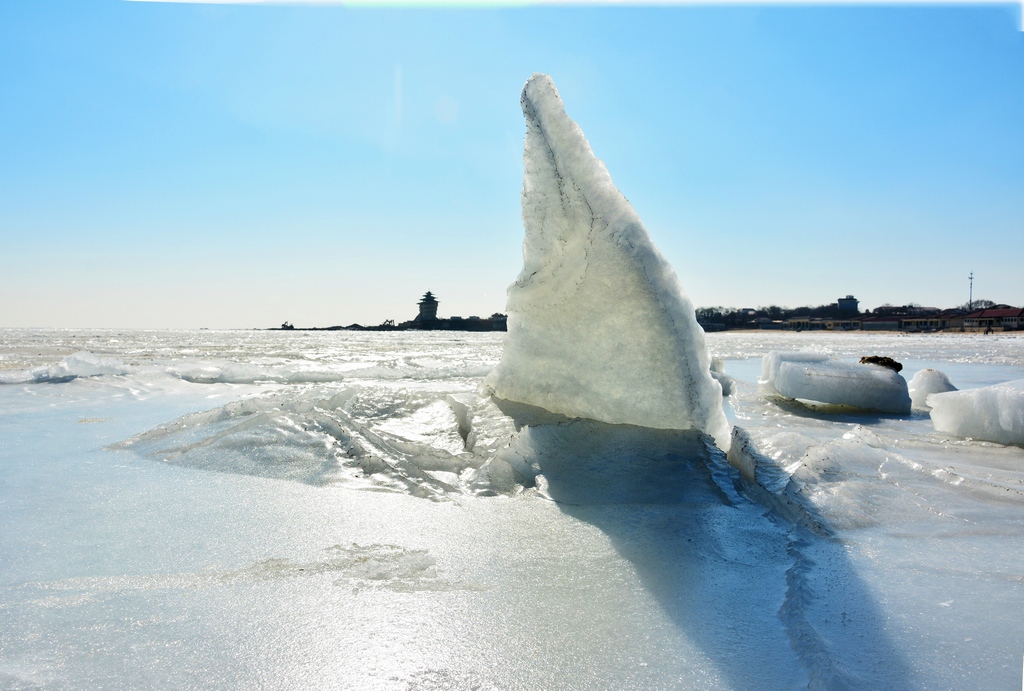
[(599, 327), (81, 364), (925, 383), (815, 377), (386, 527), (992, 413)]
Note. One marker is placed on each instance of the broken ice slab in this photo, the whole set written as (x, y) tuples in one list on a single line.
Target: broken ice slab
[(990, 413), (924, 384), (820, 378)]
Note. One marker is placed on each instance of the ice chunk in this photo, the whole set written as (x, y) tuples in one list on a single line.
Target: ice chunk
[(80, 364), (925, 383), (816, 377), (992, 413), (718, 372), (598, 324)]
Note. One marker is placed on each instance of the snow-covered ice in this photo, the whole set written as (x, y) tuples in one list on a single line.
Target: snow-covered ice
[(82, 364), (819, 378), (598, 324), (924, 384), (992, 413), (387, 527)]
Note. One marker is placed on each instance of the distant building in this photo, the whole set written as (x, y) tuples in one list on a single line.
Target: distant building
[(848, 304), (880, 323), (1001, 318), (842, 324), (427, 320), (804, 324), (934, 320), (428, 308)]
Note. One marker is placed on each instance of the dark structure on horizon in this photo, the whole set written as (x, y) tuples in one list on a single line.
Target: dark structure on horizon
[(428, 308), (848, 304), (977, 316), (426, 320), (842, 315)]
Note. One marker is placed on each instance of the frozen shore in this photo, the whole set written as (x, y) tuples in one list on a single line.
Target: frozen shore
[(251, 548)]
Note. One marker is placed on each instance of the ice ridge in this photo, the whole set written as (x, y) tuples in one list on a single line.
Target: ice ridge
[(80, 364), (599, 326)]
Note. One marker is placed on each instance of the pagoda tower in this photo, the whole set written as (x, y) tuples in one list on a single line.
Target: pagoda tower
[(428, 308)]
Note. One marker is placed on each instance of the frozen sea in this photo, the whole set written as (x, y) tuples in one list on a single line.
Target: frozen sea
[(252, 509)]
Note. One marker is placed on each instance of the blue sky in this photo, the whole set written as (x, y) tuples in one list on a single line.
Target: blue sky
[(184, 165)]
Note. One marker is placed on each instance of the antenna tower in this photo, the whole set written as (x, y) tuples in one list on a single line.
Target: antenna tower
[(970, 299)]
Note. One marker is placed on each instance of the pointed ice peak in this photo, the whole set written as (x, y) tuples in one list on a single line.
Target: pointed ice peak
[(598, 324)]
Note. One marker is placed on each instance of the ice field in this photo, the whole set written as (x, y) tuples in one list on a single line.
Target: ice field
[(328, 520), (605, 498)]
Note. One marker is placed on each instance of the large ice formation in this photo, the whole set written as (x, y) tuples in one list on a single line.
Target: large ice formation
[(598, 324), (816, 377), (924, 384), (992, 413)]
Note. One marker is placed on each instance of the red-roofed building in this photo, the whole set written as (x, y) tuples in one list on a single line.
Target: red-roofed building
[(934, 321), (1001, 317)]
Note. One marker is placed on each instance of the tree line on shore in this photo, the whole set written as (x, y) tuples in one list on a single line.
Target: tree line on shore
[(733, 318)]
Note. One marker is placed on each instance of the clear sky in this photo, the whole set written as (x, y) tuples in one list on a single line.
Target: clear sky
[(187, 165)]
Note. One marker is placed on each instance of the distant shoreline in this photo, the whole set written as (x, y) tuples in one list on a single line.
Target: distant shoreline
[(809, 332), (869, 332)]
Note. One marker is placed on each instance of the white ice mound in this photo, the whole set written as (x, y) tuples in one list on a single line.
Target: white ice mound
[(816, 377), (598, 325), (992, 413), (80, 364), (925, 383)]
